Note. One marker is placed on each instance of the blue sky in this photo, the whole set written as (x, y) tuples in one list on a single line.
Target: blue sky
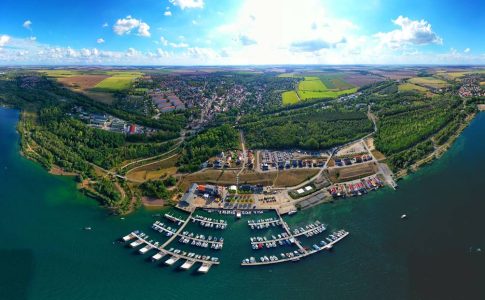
[(206, 32)]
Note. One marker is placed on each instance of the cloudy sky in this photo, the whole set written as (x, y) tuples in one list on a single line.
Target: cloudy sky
[(236, 32)]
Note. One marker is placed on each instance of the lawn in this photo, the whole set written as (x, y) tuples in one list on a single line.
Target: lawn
[(290, 97), (117, 82)]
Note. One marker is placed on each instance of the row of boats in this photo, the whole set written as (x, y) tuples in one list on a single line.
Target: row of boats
[(325, 244), (310, 229), (175, 254), (264, 223), (162, 228), (209, 222), (234, 211)]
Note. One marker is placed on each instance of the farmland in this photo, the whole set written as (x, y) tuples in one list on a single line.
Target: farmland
[(431, 82), (404, 87), (117, 82), (312, 87), (290, 97)]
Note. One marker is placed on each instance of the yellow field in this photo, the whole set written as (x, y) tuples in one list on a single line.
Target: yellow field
[(117, 82), (429, 82), (411, 87)]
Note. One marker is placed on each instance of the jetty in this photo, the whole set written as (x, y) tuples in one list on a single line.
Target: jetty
[(263, 223), (175, 254), (174, 219), (297, 255), (209, 222)]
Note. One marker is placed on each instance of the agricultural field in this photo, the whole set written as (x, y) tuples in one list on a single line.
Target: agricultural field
[(335, 81), (358, 79), (431, 82), (290, 97), (117, 82), (81, 82), (61, 73), (312, 87), (312, 84), (404, 87)]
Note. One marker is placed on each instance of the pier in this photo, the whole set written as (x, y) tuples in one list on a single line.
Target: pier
[(297, 255), (175, 254), (290, 234), (187, 237), (209, 222)]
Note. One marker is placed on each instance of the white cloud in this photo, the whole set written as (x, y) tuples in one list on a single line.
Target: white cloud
[(144, 29), (4, 39), (179, 45), (100, 41), (167, 13), (27, 24), (33, 38), (164, 41), (183, 4), (202, 53), (132, 52), (126, 25), (467, 50), (162, 53), (411, 33), (105, 25)]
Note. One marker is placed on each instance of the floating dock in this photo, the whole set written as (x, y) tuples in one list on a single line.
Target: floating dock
[(298, 255)]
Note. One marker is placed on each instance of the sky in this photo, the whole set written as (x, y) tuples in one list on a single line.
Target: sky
[(241, 32)]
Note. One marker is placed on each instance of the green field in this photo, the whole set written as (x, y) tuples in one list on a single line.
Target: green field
[(61, 73), (290, 97), (312, 84), (117, 82), (312, 87), (305, 95)]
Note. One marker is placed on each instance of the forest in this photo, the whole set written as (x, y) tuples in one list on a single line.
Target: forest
[(207, 144), (308, 129)]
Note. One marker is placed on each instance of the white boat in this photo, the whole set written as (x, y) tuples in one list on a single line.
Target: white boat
[(238, 214), (404, 216), (171, 260), (136, 243), (128, 237), (187, 265), (292, 212), (158, 256), (204, 268), (145, 249)]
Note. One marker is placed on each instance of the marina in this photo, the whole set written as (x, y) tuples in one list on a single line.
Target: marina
[(287, 238)]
